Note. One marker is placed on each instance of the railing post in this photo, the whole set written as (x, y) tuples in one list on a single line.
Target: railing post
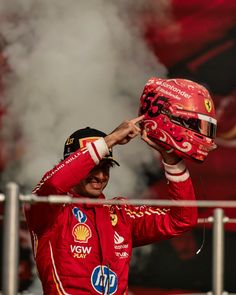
[(218, 252), (11, 240)]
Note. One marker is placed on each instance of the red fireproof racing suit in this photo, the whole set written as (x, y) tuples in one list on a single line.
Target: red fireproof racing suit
[(86, 249)]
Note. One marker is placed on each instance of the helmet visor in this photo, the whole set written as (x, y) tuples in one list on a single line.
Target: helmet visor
[(203, 124)]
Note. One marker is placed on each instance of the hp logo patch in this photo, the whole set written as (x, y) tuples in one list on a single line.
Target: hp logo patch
[(104, 280)]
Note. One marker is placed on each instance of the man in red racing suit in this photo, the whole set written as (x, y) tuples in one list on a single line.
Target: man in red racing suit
[(83, 249)]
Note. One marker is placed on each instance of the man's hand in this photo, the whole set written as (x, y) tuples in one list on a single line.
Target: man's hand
[(169, 157), (126, 131)]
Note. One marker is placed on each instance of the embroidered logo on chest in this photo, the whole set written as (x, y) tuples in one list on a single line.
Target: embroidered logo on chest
[(81, 233), (79, 215), (114, 218), (104, 280)]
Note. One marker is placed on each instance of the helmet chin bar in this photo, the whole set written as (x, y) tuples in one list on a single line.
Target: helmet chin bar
[(183, 119)]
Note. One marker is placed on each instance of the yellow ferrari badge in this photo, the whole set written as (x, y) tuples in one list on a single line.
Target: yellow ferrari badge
[(114, 219), (208, 104)]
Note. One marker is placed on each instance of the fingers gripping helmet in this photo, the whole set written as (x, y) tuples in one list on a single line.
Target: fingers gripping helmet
[(179, 115)]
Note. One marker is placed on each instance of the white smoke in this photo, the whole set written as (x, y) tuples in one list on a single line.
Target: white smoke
[(74, 64)]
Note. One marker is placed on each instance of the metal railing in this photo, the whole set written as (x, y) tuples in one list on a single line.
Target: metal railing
[(11, 240), (11, 220)]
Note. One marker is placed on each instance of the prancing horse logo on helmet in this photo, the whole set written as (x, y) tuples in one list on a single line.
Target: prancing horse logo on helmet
[(208, 105)]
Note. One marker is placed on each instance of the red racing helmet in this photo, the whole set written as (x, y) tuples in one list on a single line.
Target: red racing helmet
[(179, 115)]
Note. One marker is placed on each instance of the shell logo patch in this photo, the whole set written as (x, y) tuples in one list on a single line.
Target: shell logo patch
[(81, 233), (208, 105), (114, 219)]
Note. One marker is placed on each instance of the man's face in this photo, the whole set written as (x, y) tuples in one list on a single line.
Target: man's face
[(93, 185)]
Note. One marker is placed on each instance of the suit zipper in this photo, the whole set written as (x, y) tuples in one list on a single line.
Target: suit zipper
[(108, 279), (101, 261)]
